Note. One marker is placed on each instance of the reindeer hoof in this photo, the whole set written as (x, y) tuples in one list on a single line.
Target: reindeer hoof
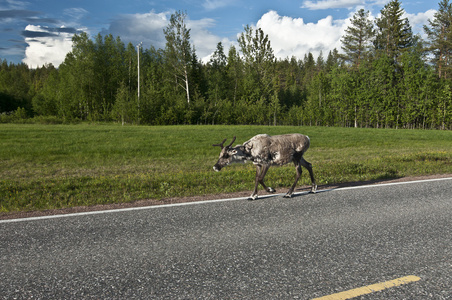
[(288, 196), (271, 190), (252, 197), (314, 189)]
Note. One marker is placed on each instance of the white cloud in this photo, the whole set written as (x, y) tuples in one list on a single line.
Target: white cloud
[(13, 4), (75, 13), (289, 36), (214, 4), (148, 28), (421, 18), (417, 21), (204, 41), (136, 28), (293, 37), (327, 4), (46, 45), (50, 45)]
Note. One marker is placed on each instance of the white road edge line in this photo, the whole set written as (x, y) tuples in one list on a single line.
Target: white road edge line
[(209, 201)]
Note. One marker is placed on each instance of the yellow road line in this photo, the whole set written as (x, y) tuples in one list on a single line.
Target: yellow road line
[(370, 288)]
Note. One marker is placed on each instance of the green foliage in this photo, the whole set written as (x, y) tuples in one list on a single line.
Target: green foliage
[(16, 116), (384, 79), (440, 39), (357, 40), (394, 33), (178, 52), (56, 166)]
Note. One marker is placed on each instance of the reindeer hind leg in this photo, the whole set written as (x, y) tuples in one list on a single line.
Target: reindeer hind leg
[(308, 166)]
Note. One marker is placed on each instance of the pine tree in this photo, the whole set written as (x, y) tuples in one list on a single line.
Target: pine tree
[(440, 39), (217, 73), (234, 71), (357, 41), (394, 34)]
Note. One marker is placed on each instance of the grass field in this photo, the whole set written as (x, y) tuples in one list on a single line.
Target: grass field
[(56, 166)]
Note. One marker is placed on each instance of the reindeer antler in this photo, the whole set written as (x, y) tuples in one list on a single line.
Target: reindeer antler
[(222, 143), (233, 140)]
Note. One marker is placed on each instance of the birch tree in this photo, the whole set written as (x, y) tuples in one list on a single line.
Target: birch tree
[(178, 50), (259, 60)]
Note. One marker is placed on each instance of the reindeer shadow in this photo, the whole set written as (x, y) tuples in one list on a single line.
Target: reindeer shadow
[(303, 191), (281, 195), (306, 190)]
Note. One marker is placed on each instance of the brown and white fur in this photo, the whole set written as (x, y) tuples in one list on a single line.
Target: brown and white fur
[(264, 151)]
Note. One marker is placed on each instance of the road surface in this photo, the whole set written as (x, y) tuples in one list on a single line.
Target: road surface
[(309, 246)]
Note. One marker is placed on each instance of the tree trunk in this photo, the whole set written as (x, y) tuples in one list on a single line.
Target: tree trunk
[(186, 84)]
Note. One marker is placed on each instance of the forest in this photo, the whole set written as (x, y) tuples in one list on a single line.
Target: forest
[(384, 77)]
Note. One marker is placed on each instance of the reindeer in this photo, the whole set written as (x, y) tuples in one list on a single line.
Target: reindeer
[(264, 151)]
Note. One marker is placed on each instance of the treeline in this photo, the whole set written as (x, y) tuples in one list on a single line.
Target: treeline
[(386, 78)]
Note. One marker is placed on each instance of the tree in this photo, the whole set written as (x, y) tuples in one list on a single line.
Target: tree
[(357, 41), (255, 47), (16, 89), (122, 109), (77, 88), (317, 104), (234, 71), (178, 50), (384, 93), (217, 73), (440, 39), (274, 108), (394, 33), (444, 108), (45, 102), (332, 60), (109, 71), (218, 59), (414, 87), (259, 60), (217, 82), (392, 85)]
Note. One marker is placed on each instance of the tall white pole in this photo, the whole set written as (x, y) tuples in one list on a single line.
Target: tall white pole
[(138, 54)]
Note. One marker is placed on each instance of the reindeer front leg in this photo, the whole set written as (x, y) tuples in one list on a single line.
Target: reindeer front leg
[(261, 179), (256, 183), (261, 171), (290, 192)]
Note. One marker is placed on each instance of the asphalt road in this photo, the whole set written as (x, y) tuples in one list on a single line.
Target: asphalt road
[(273, 248)]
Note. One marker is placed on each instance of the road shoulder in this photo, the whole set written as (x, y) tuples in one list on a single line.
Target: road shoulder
[(153, 202)]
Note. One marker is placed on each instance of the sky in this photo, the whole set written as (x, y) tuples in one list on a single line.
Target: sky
[(37, 32)]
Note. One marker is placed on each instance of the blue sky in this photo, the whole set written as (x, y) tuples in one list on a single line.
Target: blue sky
[(39, 31)]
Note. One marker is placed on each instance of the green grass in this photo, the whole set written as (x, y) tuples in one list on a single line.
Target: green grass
[(57, 166)]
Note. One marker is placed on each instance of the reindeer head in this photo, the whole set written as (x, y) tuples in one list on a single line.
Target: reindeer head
[(227, 155)]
